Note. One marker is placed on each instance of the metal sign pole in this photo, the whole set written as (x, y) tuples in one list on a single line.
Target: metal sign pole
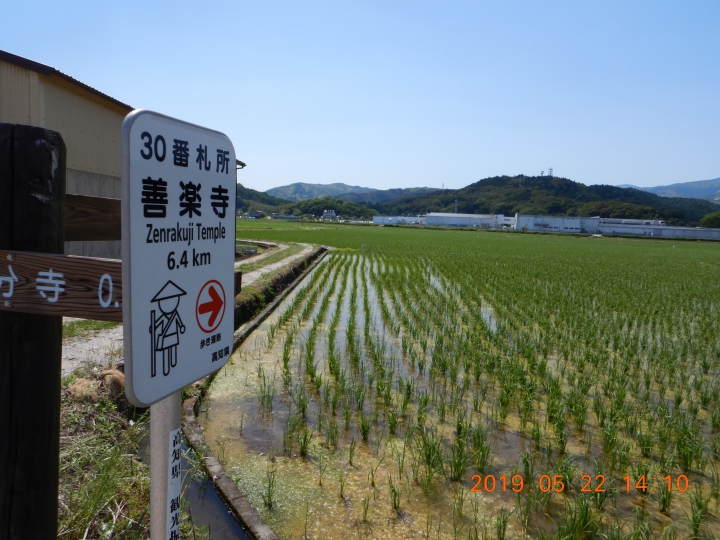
[(164, 425)]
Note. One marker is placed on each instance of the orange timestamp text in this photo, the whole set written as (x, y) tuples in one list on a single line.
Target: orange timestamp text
[(489, 483)]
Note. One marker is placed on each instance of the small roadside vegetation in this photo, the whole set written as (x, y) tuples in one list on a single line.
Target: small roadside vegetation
[(104, 489), (85, 327)]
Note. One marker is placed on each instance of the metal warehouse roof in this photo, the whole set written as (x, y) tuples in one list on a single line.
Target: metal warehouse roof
[(49, 71)]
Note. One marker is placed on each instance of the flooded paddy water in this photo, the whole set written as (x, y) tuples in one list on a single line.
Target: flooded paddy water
[(369, 401)]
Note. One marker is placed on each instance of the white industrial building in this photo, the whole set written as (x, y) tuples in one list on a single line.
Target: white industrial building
[(598, 225), (398, 220), (557, 224), (484, 221)]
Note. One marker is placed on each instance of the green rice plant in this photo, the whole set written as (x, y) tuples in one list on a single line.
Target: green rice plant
[(287, 378), (304, 440), (578, 520), (346, 416), (665, 497), (566, 468), (395, 493), (480, 446), (535, 434), (322, 467), (430, 449), (458, 460), (645, 442), (642, 530), (400, 459), (392, 421), (422, 405), (269, 493), (365, 507), (698, 511), (364, 425), (528, 462), (266, 390), (441, 412), (352, 451), (301, 400), (331, 434), (360, 394), (714, 482), (501, 523), (341, 480)]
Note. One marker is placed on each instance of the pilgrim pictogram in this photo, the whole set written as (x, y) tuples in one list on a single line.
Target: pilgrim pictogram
[(166, 328)]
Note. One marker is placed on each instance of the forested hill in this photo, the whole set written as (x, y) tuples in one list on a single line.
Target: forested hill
[(249, 199), (549, 195), (383, 195), (301, 191), (316, 207)]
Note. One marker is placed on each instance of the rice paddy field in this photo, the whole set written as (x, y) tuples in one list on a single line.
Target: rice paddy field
[(469, 384)]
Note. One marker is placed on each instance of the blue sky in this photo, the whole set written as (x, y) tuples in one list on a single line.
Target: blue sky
[(409, 93)]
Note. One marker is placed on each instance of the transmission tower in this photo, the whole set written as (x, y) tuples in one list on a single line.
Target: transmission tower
[(550, 171)]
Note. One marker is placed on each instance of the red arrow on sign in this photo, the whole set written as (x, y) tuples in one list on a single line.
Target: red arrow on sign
[(213, 306)]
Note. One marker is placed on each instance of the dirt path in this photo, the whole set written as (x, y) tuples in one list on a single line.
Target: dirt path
[(98, 348), (253, 276), (263, 255)]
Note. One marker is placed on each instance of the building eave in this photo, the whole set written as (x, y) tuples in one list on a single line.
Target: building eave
[(50, 71)]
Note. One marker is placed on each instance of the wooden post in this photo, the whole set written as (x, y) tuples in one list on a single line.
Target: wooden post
[(32, 199), (238, 281)]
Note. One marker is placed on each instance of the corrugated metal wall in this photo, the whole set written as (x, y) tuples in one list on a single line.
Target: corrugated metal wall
[(19, 96), (90, 126)]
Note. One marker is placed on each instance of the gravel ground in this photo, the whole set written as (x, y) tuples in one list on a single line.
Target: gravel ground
[(99, 348)]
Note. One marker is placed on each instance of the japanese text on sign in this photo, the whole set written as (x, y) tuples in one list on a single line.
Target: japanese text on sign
[(174, 485)]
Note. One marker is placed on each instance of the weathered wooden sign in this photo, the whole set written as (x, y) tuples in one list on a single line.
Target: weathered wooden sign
[(61, 285)]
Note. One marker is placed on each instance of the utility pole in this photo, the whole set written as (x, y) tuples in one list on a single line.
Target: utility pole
[(456, 206)]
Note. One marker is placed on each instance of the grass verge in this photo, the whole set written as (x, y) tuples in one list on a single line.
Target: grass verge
[(85, 327)]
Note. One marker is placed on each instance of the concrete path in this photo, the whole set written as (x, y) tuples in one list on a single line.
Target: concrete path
[(253, 276)]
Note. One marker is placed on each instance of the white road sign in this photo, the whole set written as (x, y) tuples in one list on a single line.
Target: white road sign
[(178, 233)]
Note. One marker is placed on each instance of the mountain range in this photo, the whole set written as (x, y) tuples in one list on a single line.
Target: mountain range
[(702, 189), (301, 191), (542, 195)]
